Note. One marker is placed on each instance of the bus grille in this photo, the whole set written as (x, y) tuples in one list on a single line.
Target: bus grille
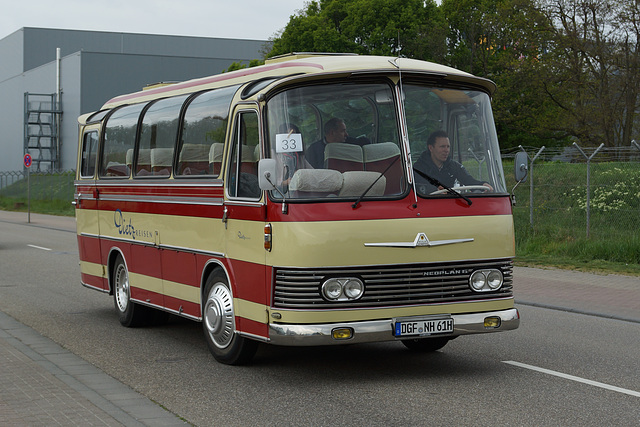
[(396, 285)]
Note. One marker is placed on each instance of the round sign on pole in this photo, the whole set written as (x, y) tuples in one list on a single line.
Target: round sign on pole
[(27, 160)]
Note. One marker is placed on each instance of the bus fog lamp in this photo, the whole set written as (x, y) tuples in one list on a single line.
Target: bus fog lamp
[(342, 333), (492, 322)]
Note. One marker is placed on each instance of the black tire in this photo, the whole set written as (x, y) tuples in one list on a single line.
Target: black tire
[(218, 324), (130, 314), (426, 345)]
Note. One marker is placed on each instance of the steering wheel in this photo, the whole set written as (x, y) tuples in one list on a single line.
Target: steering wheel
[(463, 189)]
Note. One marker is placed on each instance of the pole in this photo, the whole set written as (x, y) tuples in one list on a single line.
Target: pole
[(531, 185), (588, 182), (29, 195), (57, 107)]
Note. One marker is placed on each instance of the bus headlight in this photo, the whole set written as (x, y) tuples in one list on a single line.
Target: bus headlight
[(332, 289), (486, 280), (342, 289), (494, 279), (353, 288)]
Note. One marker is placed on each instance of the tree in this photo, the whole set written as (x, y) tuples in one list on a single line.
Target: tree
[(593, 68), (378, 27), (506, 41), (239, 65), (629, 60)]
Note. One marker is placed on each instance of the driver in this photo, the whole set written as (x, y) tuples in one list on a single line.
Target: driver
[(435, 162)]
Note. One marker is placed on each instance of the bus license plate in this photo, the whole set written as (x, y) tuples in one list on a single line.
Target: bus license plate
[(420, 327)]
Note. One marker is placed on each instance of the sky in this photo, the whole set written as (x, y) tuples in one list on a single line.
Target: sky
[(240, 19)]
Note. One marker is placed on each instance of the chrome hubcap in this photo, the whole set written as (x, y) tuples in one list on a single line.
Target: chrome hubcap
[(218, 315), (121, 282)]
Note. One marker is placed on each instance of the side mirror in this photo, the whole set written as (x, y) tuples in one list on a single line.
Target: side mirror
[(521, 165), (266, 174)]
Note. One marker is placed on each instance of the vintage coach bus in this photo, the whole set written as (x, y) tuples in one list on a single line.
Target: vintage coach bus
[(201, 199)]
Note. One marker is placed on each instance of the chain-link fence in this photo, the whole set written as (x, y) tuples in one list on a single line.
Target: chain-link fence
[(576, 192), (53, 187)]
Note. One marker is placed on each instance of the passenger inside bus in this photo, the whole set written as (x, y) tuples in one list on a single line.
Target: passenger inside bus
[(436, 163), (335, 130)]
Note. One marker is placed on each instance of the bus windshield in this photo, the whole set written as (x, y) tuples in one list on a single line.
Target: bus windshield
[(453, 140), (343, 140), (336, 140)]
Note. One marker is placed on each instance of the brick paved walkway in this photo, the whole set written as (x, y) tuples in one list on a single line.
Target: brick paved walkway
[(44, 385), (609, 295)]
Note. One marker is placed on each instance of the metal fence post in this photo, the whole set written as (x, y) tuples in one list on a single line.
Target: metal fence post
[(588, 181), (531, 185)]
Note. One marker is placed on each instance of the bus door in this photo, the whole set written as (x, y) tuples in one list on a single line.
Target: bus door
[(86, 204), (244, 215)]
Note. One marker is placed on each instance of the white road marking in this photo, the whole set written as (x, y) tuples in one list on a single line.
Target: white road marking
[(39, 247), (573, 378)]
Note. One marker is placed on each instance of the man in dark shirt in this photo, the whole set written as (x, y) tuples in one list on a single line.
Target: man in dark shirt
[(334, 131), (435, 163)]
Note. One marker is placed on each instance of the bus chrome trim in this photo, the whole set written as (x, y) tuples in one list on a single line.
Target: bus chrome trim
[(210, 201), (191, 250), (253, 336), (420, 240), (95, 288), (382, 330), (161, 246)]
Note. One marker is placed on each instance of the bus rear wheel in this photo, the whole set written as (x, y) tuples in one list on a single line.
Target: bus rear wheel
[(130, 314), (218, 322), (426, 345)]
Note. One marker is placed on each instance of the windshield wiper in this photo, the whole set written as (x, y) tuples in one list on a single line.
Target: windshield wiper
[(437, 184), (355, 205)]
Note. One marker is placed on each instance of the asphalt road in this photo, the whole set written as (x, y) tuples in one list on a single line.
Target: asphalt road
[(559, 368)]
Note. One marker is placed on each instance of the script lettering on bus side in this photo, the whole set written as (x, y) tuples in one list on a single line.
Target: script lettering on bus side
[(126, 228)]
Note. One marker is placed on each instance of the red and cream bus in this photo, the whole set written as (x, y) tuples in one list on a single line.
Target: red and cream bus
[(230, 201)]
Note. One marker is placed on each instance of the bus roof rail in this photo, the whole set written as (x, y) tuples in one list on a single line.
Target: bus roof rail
[(299, 55)]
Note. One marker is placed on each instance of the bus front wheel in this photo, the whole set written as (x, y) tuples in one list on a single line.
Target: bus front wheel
[(218, 323)]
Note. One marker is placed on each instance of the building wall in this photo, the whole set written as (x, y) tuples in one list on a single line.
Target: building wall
[(95, 67), (11, 53), (105, 75)]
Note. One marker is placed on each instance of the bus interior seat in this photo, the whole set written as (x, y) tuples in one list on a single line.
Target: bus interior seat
[(248, 164), (215, 158), (343, 157), (194, 159), (379, 157), (357, 182), (315, 182), (161, 159)]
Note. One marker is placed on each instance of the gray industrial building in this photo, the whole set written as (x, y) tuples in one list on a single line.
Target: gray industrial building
[(48, 77)]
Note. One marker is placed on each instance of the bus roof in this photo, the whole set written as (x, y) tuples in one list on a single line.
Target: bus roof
[(307, 64)]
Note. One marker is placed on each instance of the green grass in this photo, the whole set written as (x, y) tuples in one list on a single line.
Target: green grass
[(557, 238), (49, 194)]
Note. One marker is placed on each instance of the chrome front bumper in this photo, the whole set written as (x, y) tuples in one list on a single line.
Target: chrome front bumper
[(382, 330)]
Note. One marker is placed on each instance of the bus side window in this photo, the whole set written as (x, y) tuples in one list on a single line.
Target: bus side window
[(119, 138), (243, 161), (158, 133), (89, 154), (204, 127)]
